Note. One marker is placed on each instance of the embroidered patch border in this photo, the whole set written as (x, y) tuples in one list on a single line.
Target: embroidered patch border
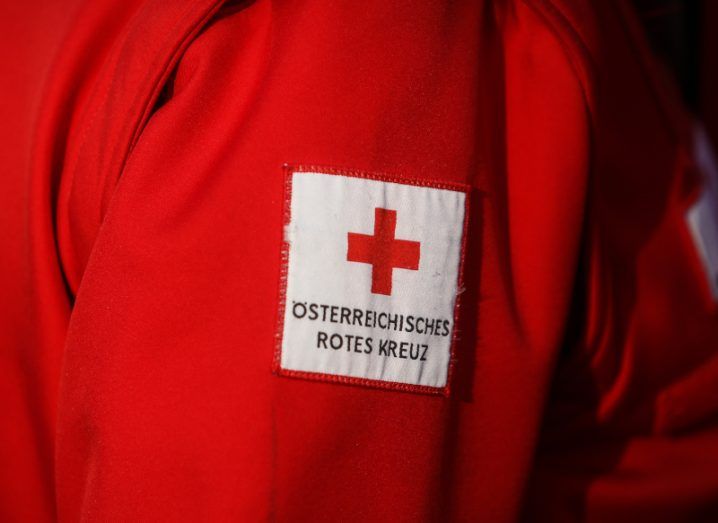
[(289, 172)]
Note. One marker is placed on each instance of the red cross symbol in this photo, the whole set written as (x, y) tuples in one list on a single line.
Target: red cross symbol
[(382, 251)]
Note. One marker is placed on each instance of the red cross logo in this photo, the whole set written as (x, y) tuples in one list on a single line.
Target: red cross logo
[(382, 251)]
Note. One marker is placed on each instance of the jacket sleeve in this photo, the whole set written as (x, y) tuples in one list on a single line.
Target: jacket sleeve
[(171, 229)]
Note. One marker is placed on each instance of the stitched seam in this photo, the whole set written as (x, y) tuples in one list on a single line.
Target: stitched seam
[(283, 267), (353, 380), (101, 96), (379, 176), (164, 62)]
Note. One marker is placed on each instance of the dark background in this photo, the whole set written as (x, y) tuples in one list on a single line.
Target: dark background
[(684, 35)]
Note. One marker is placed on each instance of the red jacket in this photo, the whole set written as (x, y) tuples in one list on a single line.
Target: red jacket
[(144, 213)]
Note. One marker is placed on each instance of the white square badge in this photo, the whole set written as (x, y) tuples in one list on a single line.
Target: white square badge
[(371, 276)]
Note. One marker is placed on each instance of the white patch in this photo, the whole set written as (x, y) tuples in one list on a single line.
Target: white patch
[(372, 273), (702, 217)]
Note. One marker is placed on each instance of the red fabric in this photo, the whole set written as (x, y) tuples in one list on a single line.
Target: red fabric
[(142, 145), (383, 251)]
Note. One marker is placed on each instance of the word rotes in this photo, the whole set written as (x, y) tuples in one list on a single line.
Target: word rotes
[(352, 343), (372, 319)]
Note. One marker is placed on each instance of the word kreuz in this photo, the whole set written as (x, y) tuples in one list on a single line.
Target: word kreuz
[(359, 344)]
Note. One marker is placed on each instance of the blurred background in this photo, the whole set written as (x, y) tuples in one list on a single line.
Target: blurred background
[(684, 35)]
